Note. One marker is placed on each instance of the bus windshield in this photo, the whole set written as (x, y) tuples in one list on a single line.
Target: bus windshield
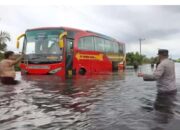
[(41, 46)]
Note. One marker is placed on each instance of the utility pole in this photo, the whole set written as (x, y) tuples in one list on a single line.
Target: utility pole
[(140, 41)]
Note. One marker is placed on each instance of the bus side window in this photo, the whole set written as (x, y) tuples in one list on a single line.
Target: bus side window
[(99, 44), (109, 46), (121, 49), (80, 44), (116, 47), (86, 43)]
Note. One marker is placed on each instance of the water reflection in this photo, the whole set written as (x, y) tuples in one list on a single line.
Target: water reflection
[(164, 106), (77, 89)]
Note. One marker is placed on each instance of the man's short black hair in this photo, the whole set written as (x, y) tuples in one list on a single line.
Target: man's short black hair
[(7, 54)]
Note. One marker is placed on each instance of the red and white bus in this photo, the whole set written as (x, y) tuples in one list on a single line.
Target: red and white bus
[(66, 51)]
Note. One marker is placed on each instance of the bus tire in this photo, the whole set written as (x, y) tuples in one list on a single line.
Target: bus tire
[(82, 71)]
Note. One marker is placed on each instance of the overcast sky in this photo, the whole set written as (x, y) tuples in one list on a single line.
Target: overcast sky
[(159, 25)]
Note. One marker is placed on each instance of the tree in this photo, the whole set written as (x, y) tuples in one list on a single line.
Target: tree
[(4, 37), (178, 60), (134, 58)]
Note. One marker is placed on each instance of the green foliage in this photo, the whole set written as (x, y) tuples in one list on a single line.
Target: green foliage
[(17, 68), (178, 60), (154, 60), (137, 59), (134, 58), (3, 46), (1, 56), (4, 37)]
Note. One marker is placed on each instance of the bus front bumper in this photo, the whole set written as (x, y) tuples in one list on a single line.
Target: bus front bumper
[(39, 69)]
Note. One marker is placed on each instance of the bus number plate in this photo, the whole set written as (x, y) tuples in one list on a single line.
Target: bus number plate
[(38, 67)]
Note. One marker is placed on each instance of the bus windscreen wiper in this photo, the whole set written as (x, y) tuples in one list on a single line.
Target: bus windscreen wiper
[(34, 58)]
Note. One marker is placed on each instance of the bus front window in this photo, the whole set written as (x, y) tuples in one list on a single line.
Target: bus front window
[(42, 46)]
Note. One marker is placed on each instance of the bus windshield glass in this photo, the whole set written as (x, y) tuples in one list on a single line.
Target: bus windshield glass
[(41, 46)]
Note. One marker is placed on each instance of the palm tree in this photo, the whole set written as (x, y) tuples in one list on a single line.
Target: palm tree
[(4, 37)]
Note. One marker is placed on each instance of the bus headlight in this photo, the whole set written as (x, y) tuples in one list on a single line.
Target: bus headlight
[(55, 70)]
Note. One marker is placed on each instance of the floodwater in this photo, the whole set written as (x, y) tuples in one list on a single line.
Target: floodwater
[(116, 101)]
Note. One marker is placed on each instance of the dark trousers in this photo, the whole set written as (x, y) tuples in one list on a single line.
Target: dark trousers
[(165, 101), (9, 81)]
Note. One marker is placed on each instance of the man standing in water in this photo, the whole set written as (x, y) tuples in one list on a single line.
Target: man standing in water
[(164, 74), (166, 85), (7, 71)]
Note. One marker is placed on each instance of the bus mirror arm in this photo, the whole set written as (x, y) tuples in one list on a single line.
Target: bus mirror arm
[(61, 40), (18, 38), (61, 43), (17, 44)]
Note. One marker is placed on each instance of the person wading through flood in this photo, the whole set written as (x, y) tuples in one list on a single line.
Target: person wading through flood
[(166, 83), (164, 74), (7, 71)]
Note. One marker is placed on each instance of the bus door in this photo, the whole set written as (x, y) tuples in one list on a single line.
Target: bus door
[(69, 57)]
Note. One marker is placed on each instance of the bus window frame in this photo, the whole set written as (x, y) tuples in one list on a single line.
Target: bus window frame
[(121, 48), (104, 39), (24, 44), (85, 37), (103, 44), (111, 43)]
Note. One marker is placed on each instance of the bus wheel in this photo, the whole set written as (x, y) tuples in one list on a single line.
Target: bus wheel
[(82, 71)]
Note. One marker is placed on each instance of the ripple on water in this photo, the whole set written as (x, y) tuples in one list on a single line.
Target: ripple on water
[(117, 101)]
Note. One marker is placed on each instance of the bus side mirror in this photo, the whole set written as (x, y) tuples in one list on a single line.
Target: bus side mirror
[(18, 38), (61, 40)]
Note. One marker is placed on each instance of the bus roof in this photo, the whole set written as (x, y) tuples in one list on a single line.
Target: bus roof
[(102, 35), (65, 28), (77, 30)]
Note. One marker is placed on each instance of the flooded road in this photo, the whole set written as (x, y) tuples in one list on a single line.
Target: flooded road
[(117, 101)]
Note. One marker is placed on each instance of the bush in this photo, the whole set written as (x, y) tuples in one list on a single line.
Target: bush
[(134, 58), (17, 68), (137, 59), (1, 56)]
